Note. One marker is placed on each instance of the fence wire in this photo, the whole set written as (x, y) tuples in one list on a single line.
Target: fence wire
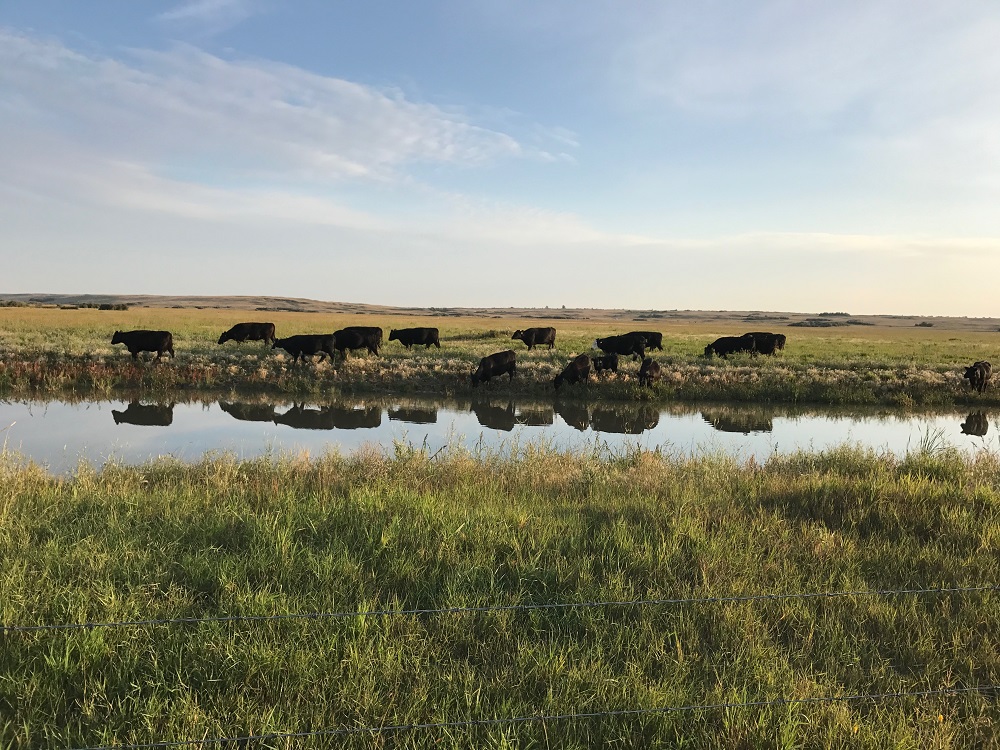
[(498, 608), (515, 720)]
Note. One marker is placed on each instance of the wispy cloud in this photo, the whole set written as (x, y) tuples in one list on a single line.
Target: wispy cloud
[(211, 15)]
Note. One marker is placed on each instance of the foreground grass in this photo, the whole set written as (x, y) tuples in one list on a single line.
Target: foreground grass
[(68, 352), (406, 530)]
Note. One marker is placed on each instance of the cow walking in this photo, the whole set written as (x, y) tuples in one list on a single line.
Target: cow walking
[(145, 341), (536, 336), (249, 332)]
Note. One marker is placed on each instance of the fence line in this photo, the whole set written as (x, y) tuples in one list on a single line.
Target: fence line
[(468, 724), (495, 608)]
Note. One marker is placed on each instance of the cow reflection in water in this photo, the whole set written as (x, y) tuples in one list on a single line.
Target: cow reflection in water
[(624, 420), (330, 417), (738, 421), (535, 416), (976, 424), (576, 415), (493, 416), (414, 414), (248, 412), (145, 415)]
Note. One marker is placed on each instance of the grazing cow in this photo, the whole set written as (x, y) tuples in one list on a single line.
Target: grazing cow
[(767, 343), (536, 336), (493, 365), (979, 375), (578, 370), (976, 424), (307, 344), (248, 412), (624, 345), (249, 332), (654, 339), (649, 372), (145, 341), (605, 362), (410, 336), (145, 415), (357, 337), (726, 345)]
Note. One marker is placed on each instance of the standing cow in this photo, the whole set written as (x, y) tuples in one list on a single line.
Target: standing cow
[(145, 341), (536, 336), (578, 370), (654, 339), (766, 343), (726, 345), (649, 372), (307, 344), (979, 375), (624, 345), (605, 362), (249, 332), (410, 336), (493, 365)]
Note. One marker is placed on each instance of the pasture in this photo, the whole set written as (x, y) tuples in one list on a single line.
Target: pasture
[(383, 530), (886, 361)]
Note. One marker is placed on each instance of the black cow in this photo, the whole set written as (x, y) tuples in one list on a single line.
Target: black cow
[(649, 372), (145, 415), (979, 375), (307, 344), (654, 339), (578, 370), (357, 337), (767, 343), (976, 424), (726, 345), (248, 412), (410, 336), (145, 341), (606, 362), (624, 345), (493, 416), (249, 332), (536, 336), (493, 365)]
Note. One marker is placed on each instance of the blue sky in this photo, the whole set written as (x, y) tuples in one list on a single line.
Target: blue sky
[(789, 155)]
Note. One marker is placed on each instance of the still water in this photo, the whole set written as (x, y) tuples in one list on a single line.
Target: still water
[(59, 434)]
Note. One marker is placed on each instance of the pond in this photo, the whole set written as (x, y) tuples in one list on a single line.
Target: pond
[(61, 434)]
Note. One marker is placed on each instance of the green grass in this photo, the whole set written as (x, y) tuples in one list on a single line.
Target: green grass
[(519, 525), (65, 353)]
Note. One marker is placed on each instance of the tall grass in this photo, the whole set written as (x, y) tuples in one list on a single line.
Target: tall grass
[(519, 525)]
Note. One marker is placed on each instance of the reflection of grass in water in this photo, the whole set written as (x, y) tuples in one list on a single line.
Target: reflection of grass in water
[(526, 524)]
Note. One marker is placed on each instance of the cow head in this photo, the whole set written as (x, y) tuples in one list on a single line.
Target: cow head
[(518, 335), (393, 334), (117, 338), (227, 336)]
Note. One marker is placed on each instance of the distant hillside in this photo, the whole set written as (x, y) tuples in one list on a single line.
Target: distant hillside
[(752, 319)]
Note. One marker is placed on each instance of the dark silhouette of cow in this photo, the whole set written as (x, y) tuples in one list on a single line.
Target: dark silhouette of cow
[(414, 414), (979, 375), (410, 336), (767, 343), (739, 421), (649, 372), (495, 417), (300, 417), (494, 365), (249, 332), (577, 371), (976, 424), (573, 413), (306, 345), (536, 337), (145, 415), (623, 345), (624, 420), (605, 362), (654, 339), (726, 345), (248, 412), (145, 341), (354, 338)]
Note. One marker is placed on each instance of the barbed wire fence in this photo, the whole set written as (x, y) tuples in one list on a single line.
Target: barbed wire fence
[(333, 732)]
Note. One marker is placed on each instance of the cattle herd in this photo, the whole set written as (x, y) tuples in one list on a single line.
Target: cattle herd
[(369, 338)]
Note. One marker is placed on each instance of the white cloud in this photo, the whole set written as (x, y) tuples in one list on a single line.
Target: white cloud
[(211, 16)]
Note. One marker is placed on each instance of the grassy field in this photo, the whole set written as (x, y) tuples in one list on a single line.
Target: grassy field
[(62, 352), (382, 530)]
